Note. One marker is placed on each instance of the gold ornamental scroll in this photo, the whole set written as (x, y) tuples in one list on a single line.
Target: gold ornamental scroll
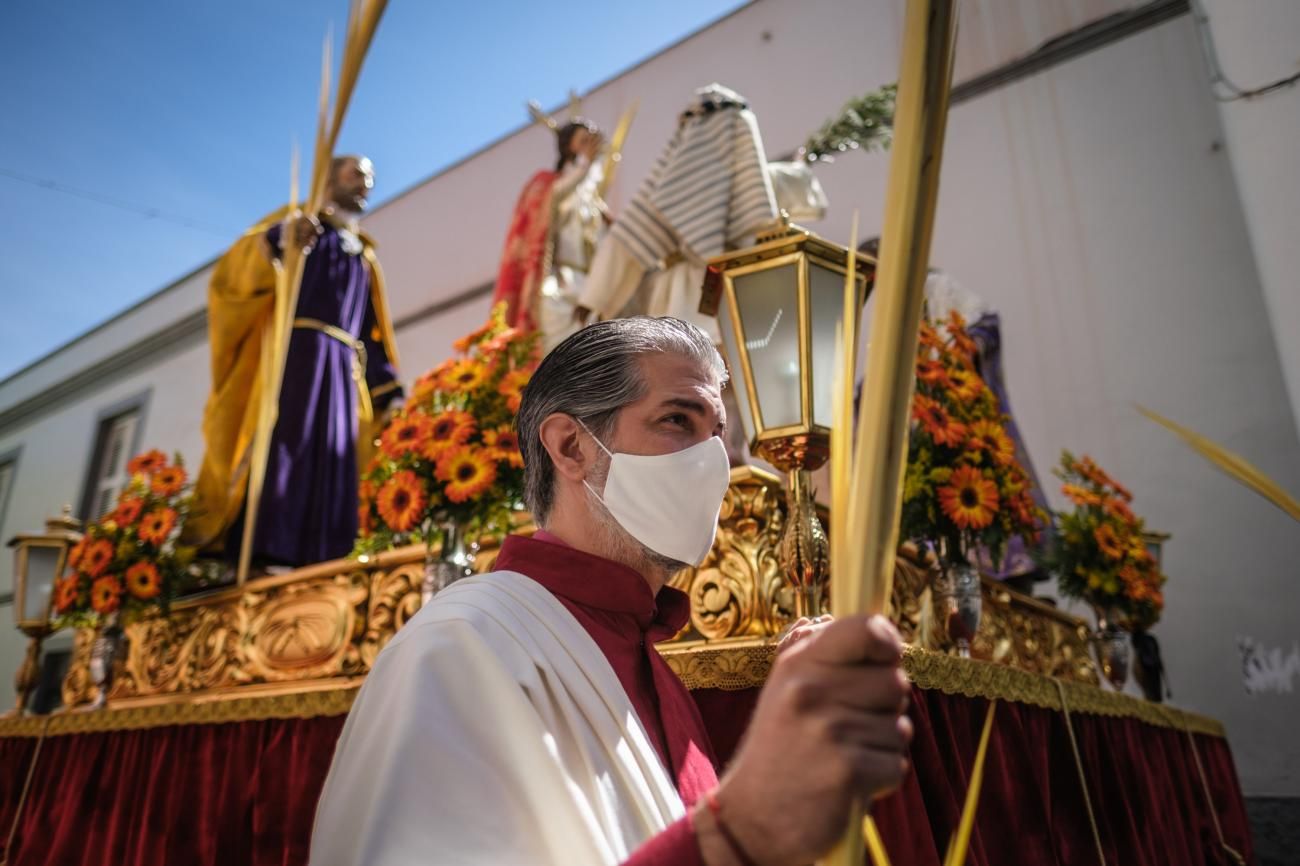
[(862, 584)]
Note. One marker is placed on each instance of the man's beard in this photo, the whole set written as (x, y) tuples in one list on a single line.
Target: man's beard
[(619, 544)]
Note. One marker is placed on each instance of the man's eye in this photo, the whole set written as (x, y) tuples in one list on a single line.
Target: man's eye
[(679, 420)]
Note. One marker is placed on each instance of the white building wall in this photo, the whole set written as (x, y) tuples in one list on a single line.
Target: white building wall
[(1089, 203)]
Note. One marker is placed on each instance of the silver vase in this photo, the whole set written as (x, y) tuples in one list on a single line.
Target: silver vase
[(104, 653), (452, 562), (1111, 644), (959, 604)]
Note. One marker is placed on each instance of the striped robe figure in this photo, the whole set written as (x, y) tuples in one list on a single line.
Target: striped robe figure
[(708, 192)]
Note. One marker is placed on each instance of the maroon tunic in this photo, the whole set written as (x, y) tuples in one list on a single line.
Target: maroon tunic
[(614, 604)]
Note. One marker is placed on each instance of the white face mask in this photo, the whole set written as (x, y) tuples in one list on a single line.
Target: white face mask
[(668, 502)]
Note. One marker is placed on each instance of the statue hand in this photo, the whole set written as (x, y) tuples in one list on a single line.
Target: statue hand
[(305, 230)]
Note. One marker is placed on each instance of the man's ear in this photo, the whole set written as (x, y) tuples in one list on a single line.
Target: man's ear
[(570, 449)]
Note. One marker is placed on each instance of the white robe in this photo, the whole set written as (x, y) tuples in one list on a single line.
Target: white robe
[(492, 730)]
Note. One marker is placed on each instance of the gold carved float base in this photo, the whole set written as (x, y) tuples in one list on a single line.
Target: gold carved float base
[(322, 626)]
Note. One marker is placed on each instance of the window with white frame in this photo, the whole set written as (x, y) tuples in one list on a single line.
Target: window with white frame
[(114, 445), (8, 473)]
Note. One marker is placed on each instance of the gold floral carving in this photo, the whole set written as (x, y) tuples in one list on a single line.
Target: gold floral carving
[(739, 591), (326, 622)]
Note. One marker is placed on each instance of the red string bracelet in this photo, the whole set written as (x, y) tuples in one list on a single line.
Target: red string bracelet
[(711, 798)]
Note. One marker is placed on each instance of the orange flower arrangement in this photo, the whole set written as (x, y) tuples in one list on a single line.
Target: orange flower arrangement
[(1101, 555), (129, 562), (969, 499), (98, 556), (464, 376), (128, 510), (106, 595), (467, 472), (401, 501), (964, 489), (157, 525), (147, 463), (168, 481), (450, 457), (406, 434), (503, 445), (450, 429), (143, 580)]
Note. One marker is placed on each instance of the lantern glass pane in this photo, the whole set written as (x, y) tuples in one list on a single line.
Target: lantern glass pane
[(42, 565), (769, 313), (826, 305), (734, 366)]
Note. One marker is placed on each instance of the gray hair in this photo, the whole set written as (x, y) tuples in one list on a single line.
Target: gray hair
[(592, 375)]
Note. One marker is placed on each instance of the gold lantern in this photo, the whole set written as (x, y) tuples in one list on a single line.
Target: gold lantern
[(779, 305), (39, 561)]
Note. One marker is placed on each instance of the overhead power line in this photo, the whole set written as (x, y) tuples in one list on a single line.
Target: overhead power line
[(143, 210)]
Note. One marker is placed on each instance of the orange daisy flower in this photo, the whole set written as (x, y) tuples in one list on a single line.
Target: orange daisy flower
[(465, 375), (77, 552), (503, 445), (449, 429), (967, 386), (467, 472), (66, 592), (143, 580), (1119, 509), (168, 481), (501, 340), (961, 340), (407, 433), (936, 421), (1026, 512), (929, 337), (473, 337), (1081, 495), (401, 501), (147, 463), (157, 525), (98, 554), (512, 387), (933, 372), (1108, 541), (106, 595), (365, 523), (990, 437), (431, 381), (127, 511), (969, 499)]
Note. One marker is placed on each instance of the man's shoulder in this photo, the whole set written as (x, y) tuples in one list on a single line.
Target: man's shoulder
[(493, 609)]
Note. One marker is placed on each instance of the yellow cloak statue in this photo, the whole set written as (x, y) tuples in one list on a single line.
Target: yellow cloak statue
[(241, 303)]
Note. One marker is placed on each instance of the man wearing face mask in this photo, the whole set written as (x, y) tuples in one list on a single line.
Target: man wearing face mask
[(523, 716)]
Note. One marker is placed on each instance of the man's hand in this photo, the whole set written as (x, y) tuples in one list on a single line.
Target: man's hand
[(828, 731), (305, 230)]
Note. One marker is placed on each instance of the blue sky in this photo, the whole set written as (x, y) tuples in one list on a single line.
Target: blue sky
[(189, 109)]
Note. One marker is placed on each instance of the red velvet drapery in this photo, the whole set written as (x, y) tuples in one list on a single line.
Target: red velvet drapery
[(198, 795), (1143, 781), (245, 792)]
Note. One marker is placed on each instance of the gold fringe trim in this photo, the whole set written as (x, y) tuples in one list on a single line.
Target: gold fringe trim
[(735, 668), (728, 668), (299, 705)]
